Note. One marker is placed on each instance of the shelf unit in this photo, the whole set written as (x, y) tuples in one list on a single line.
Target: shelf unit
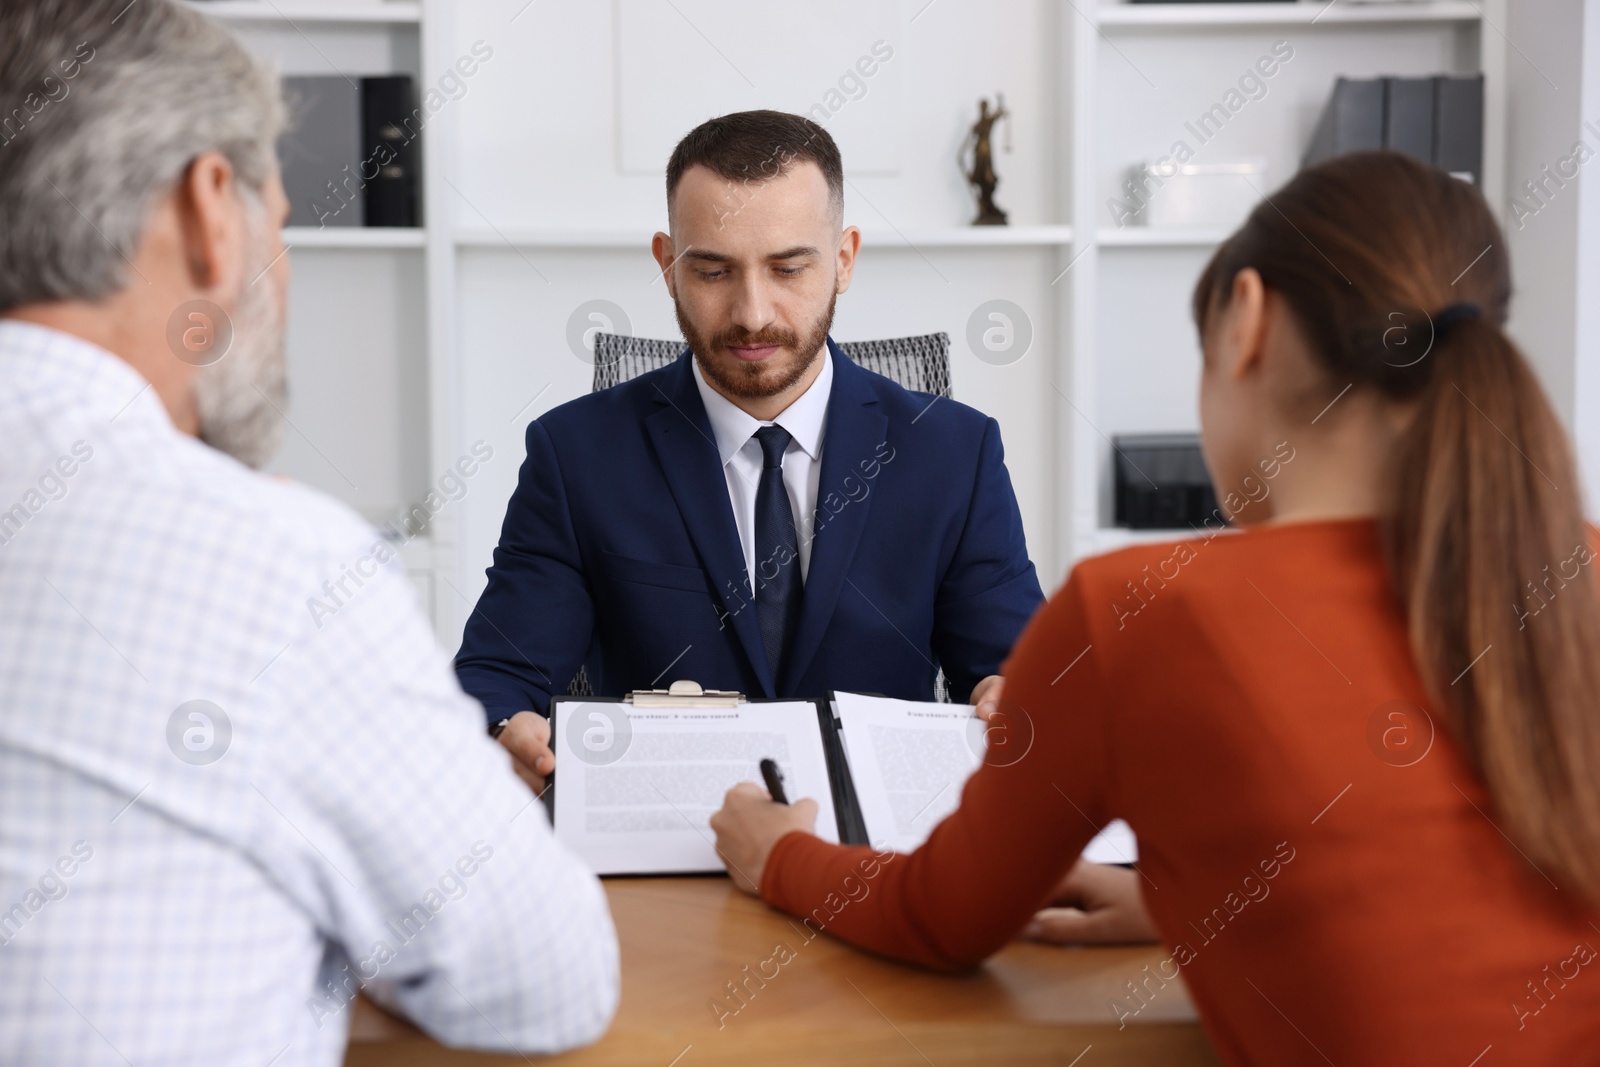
[(951, 237), (1286, 13), (1154, 237), (374, 11), (355, 237), (1112, 51)]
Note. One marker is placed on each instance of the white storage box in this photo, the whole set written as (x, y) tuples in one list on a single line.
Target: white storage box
[(1211, 196)]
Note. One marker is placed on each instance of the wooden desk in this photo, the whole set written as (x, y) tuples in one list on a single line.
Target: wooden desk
[(684, 939)]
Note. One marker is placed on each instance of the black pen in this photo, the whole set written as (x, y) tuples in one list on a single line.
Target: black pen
[(774, 779)]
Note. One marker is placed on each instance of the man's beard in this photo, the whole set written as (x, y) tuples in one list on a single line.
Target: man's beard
[(756, 380), (241, 397)]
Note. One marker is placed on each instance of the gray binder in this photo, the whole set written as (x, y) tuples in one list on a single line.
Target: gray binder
[(1408, 117), (1351, 122), (320, 152), (1438, 120), (1458, 125)]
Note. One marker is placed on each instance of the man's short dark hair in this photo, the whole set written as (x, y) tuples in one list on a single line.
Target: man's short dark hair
[(757, 146)]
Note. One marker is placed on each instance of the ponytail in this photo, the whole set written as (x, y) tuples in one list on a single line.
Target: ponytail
[(1490, 554), (1491, 559)]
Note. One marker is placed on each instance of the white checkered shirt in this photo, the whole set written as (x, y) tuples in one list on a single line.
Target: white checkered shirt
[(160, 905)]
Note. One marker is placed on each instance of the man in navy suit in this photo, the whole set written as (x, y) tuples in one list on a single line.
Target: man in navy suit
[(763, 514)]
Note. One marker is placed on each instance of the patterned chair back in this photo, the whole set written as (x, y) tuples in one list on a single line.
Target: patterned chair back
[(921, 364)]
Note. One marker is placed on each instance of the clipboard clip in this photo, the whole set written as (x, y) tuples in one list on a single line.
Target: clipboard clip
[(684, 693)]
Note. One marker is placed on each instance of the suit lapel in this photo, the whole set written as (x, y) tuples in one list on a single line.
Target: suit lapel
[(681, 435), (854, 429)]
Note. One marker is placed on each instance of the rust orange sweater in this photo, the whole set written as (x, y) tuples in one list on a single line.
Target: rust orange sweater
[(1330, 881)]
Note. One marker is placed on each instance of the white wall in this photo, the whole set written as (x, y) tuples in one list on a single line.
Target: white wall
[(1545, 76), (1554, 89), (1586, 374)]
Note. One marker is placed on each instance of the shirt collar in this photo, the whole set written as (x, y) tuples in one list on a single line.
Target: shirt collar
[(804, 419)]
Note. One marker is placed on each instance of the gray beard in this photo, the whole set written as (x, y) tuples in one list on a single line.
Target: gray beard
[(241, 397)]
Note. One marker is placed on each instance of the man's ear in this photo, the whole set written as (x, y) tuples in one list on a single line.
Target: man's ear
[(212, 226), (849, 246), (661, 248), (1246, 329)]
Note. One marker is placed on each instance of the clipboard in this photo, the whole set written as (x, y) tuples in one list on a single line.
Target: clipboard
[(846, 805), (681, 696)]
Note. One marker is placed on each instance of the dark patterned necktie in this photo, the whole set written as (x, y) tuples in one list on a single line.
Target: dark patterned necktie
[(777, 577)]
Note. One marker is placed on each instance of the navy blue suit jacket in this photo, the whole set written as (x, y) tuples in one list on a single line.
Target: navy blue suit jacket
[(619, 552)]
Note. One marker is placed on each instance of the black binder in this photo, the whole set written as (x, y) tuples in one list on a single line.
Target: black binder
[(1160, 482), (846, 804), (390, 143)]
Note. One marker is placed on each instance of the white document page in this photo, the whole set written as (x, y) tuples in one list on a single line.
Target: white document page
[(635, 787), (909, 761)]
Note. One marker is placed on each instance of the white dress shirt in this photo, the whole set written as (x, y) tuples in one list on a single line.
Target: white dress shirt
[(159, 909), (735, 431)]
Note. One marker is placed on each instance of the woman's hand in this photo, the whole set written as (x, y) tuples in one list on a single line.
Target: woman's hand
[(749, 824), (1096, 903)]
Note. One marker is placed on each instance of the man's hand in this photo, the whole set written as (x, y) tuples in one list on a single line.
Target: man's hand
[(1095, 903), (527, 738), (986, 696), (749, 824)]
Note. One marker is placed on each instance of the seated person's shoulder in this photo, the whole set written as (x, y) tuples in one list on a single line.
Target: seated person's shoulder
[(271, 516), (1118, 566), (1161, 575)]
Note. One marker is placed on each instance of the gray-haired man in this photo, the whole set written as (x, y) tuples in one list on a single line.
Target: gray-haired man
[(218, 820)]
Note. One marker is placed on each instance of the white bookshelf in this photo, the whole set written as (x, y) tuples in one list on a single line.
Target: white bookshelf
[(1157, 237), (948, 237), (1128, 295), (1302, 13), (971, 237), (415, 343), (373, 11), (354, 237)]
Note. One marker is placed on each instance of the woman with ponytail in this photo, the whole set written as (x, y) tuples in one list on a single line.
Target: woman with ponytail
[(1358, 735)]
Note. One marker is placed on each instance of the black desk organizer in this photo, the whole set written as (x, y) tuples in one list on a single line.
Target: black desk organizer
[(1160, 482)]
